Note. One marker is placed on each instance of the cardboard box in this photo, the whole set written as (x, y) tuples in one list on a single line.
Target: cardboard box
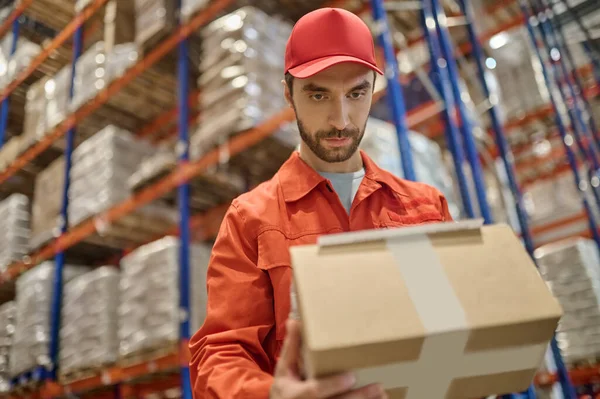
[(47, 201), (451, 310), (119, 24)]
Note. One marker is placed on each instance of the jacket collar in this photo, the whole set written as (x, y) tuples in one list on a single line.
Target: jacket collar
[(297, 179)]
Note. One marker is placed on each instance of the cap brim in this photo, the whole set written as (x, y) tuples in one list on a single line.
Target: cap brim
[(313, 67)]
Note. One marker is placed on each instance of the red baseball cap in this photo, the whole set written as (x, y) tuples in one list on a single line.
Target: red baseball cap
[(327, 37)]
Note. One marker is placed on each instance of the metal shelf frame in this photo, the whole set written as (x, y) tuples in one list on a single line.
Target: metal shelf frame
[(458, 129)]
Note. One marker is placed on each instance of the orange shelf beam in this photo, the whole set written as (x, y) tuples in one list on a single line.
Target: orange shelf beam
[(62, 37), (14, 15)]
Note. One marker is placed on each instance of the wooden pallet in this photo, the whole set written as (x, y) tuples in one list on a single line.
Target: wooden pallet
[(129, 231), (149, 354)]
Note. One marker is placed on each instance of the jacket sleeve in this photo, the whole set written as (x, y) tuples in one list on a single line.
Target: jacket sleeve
[(227, 358)]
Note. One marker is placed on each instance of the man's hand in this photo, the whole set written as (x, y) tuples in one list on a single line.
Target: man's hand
[(289, 385)]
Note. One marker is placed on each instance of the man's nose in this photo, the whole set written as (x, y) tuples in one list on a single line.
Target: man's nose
[(339, 117)]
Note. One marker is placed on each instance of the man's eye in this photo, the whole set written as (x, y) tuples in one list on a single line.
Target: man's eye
[(318, 97), (356, 95)]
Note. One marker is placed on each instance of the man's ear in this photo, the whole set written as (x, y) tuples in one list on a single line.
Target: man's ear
[(286, 94)]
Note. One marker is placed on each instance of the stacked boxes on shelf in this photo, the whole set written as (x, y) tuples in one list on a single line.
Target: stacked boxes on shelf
[(149, 312), (7, 330), (380, 142), (572, 271), (190, 7), (88, 335), (101, 168), (12, 65), (243, 50), (153, 19), (522, 86), (32, 329), (15, 232), (97, 68), (47, 203)]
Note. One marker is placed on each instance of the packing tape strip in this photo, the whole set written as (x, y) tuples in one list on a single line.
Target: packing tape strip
[(447, 331)]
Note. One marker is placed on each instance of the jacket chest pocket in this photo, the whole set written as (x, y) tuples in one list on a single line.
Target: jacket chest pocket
[(274, 259), (412, 212)]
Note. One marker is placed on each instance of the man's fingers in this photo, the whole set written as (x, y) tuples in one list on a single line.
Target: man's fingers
[(291, 347)]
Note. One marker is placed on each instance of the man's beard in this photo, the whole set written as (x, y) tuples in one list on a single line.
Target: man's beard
[(332, 155)]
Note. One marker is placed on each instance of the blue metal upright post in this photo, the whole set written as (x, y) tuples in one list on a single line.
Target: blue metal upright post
[(394, 90), (508, 161), (59, 260), (183, 197), (579, 127), (5, 103), (441, 80), (581, 184), (466, 127)]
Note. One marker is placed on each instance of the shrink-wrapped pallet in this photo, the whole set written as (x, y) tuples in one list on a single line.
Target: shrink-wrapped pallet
[(34, 123), (149, 312), (88, 334), (57, 90), (380, 142), (190, 7), (243, 50), (11, 65), (7, 331), (15, 230), (47, 202), (153, 19), (97, 68), (572, 271), (100, 168), (31, 341)]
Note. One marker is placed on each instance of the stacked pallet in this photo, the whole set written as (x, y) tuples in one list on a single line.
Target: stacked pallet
[(243, 50), (15, 231), (572, 271), (149, 312), (7, 330), (31, 341), (88, 335)]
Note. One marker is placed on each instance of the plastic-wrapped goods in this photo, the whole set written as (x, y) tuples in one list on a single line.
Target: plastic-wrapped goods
[(149, 312), (243, 51), (32, 329), (80, 5), (119, 24), (34, 123), (12, 65), (9, 152), (100, 170), (88, 334), (96, 69), (523, 88), (7, 330), (15, 231), (57, 97), (153, 18), (47, 202), (572, 271), (380, 142), (190, 7)]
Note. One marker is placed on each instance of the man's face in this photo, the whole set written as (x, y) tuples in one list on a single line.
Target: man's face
[(332, 108)]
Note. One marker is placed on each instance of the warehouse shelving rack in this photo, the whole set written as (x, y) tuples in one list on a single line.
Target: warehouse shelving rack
[(187, 169)]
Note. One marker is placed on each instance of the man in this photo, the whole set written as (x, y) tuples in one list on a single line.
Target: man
[(247, 348)]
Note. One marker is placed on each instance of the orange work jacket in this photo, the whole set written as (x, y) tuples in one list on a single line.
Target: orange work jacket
[(234, 353)]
